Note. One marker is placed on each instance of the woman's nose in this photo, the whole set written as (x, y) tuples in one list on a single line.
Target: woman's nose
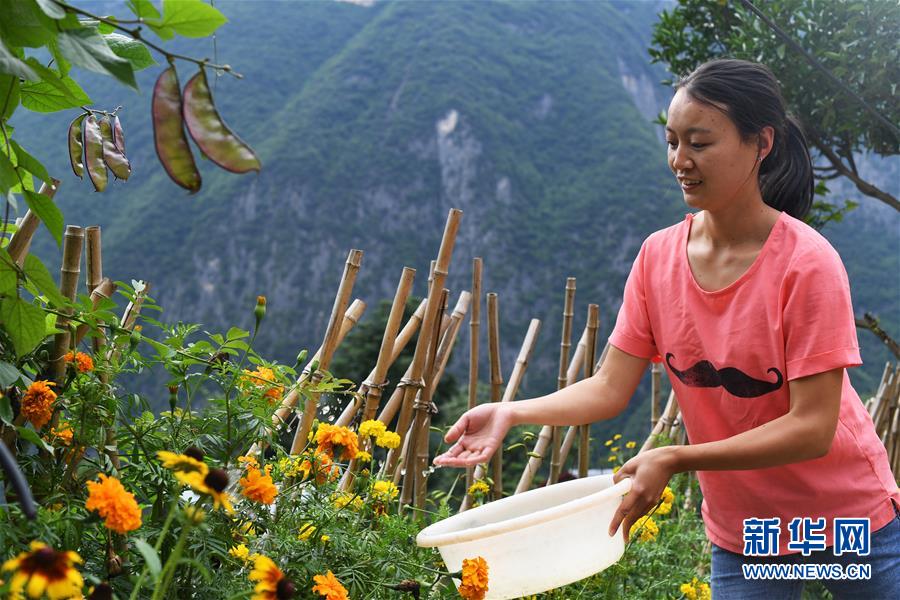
[(680, 159)]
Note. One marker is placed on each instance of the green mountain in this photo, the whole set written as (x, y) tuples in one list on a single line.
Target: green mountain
[(372, 122)]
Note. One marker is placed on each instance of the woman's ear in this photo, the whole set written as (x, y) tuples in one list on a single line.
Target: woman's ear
[(765, 142)]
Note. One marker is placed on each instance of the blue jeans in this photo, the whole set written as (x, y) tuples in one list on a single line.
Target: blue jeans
[(728, 582)]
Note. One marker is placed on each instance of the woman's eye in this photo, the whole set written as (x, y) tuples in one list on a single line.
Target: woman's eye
[(672, 144), (698, 145)]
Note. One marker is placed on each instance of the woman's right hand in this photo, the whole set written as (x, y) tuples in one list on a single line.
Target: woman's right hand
[(478, 433)]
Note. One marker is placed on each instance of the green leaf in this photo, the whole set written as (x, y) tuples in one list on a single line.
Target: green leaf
[(191, 18), (51, 9), (9, 276), (131, 50), (53, 92), (24, 323), (87, 48), (150, 556), (23, 24), (41, 278), (32, 436), (236, 333), (9, 94), (44, 207), (6, 413), (9, 374), (13, 65), (108, 25), (8, 178), (62, 64), (143, 9), (30, 163)]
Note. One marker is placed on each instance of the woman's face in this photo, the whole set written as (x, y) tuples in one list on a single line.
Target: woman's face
[(714, 167)]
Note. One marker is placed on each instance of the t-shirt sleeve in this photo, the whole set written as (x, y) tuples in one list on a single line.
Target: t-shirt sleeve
[(632, 333), (817, 315)]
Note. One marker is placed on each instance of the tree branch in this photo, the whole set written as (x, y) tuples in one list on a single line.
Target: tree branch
[(862, 185), (871, 323)]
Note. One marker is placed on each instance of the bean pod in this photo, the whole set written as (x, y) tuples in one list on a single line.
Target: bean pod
[(93, 153), (118, 134), (114, 158), (209, 131), (76, 147), (168, 132)]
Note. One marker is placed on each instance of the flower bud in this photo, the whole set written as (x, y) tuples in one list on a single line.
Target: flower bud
[(260, 311)]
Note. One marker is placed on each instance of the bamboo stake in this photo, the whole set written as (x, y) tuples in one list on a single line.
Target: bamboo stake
[(20, 242), (669, 414), (569, 440), (280, 416), (540, 448), (474, 325), (415, 382), (104, 289), (341, 300), (68, 286), (512, 388), (656, 370), (93, 258), (414, 482), (561, 382), (370, 390), (496, 386), (593, 322)]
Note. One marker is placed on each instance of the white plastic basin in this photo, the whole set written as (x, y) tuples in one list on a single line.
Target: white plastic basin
[(537, 540)]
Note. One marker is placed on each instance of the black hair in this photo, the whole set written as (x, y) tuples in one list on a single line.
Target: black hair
[(749, 94)]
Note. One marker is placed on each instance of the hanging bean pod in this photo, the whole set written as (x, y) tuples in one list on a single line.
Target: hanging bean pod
[(93, 153), (76, 148), (168, 132), (210, 132), (114, 158), (118, 134)]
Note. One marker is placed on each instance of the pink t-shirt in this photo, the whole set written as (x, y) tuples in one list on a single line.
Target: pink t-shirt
[(730, 355)]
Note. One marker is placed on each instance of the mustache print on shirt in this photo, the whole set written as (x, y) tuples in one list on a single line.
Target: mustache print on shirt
[(735, 381)]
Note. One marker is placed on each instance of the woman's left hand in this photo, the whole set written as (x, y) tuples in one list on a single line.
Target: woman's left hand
[(650, 472)]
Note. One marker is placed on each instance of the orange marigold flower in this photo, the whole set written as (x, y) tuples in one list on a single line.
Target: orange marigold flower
[(83, 362), (327, 585), (258, 487), (258, 379), (116, 505), (320, 463), (37, 403), (272, 584), (474, 578), (44, 570), (330, 436), (63, 435)]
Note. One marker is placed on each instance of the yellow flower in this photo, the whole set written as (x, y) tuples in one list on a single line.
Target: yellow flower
[(183, 466), (384, 490), (618, 436), (319, 464), (325, 538), (696, 590), (44, 570), (704, 592), (343, 499), (388, 439), (474, 579), (616, 469), (614, 449), (83, 362), (480, 487), (240, 552), (327, 585), (306, 531), (668, 495), (213, 484), (688, 590), (630, 445), (612, 458), (363, 457), (37, 403), (329, 437), (372, 428), (647, 527), (664, 508), (272, 584), (114, 504), (608, 443), (258, 487), (194, 515)]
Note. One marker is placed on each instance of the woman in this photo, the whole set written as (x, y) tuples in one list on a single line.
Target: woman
[(751, 309)]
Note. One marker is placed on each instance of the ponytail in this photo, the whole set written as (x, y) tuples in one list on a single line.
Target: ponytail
[(786, 174), (750, 96)]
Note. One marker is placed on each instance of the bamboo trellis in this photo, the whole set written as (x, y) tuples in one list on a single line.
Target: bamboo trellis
[(884, 408), (474, 326)]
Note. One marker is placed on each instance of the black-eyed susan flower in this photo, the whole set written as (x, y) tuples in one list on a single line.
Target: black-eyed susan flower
[(184, 466), (43, 570), (474, 583), (37, 403), (271, 582), (213, 484), (329, 587), (114, 504)]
